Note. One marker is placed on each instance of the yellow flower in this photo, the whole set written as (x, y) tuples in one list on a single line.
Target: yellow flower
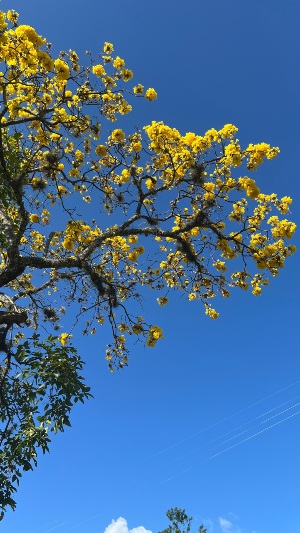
[(98, 70), (137, 329), (123, 327), (151, 94), (256, 290), (101, 150), (162, 301), (151, 183), (284, 229), (34, 218), (192, 296), (150, 342), (138, 89), (136, 146), (62, 70), (212, 313), (220, 265), (272, 153), (250, 187), (29, 33), (117, 135), (140, 250), (62, 190), (125, 108), (209, 188), (126, 74), (79, 156), (3, 24), (68, 244), (212, 134), (12, 16), (189, 138), (100, 319), (74, 173), (228, 131), (108, 48), (119, 63), (233, 154), (133, 239), (64, 338), (133, 256), (125, 176), (47, 63), (156, 332)]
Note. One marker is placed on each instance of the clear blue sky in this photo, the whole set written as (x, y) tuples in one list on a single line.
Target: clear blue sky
[(167, 415)]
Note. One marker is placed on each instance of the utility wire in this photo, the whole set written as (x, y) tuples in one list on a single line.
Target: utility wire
[(220, 421)]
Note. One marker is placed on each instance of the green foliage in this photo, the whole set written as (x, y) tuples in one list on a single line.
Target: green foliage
[(180, 522), (40, 383)]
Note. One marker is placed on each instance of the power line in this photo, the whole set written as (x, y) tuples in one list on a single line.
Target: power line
[(220, 421), (234, 429), (229, 448)]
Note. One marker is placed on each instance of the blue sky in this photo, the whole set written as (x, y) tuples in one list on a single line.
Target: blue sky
[(156, 434)]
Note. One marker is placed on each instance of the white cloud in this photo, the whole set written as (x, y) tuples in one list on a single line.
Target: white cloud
[(120, 526), (225, 524)]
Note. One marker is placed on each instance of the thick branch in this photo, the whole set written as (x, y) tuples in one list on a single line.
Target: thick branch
[(13, 317)]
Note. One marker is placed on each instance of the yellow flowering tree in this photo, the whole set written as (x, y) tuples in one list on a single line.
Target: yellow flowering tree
[(96, 220)]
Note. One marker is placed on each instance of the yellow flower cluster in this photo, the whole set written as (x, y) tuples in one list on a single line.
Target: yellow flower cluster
[(62, 70), (64, 338), (155, 333), (162, 301), (227, 252), (272, 256), (101, 150), (284, 204), (37, 241), (212, 313), (238, 210), (258, 152), (77, 234), (228, 131), (118, 63), (34, 218), (108, 48), (256, 283), (209, 187), (282, 228), (98, 70), (220, 265), (21, 49), (117, 136), (233, 155), (250, 187), (150, 94), (138, 89), (239, 280)]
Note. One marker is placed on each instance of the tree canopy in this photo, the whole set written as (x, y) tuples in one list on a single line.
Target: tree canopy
[(180, 522), (90, 221)]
